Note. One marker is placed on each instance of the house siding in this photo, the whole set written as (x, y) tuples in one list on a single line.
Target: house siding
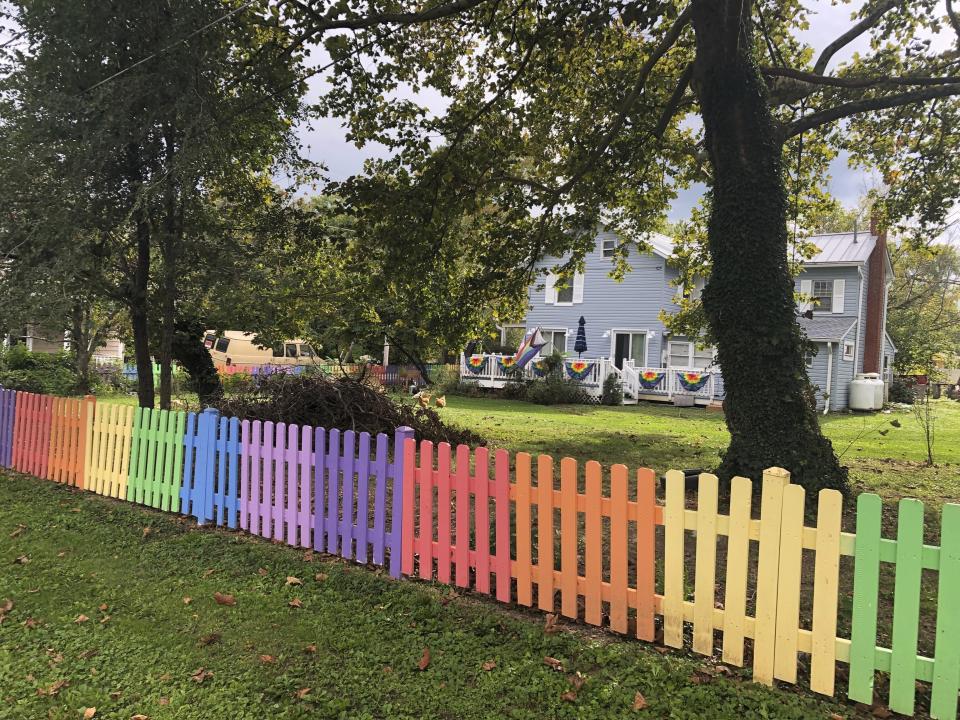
[(634, 304)]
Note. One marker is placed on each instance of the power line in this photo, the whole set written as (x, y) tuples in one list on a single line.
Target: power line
[(169, 47)]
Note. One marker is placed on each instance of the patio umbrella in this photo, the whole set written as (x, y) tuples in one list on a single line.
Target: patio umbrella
[(580, 345)]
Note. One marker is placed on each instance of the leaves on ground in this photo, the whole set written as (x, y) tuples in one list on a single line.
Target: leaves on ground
[(224, 599), (424, 659), (291, 580), (200, 675), (639, 701), (553, 663)]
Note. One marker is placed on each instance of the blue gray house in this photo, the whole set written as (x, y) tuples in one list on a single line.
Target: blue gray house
[(845, 285)]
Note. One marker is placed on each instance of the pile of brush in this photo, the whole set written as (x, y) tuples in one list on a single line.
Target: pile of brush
[(344, 403)]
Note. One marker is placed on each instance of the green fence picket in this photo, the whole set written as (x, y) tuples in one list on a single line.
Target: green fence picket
[(160, 437), (866, 589), (946, 669), (906, 606)]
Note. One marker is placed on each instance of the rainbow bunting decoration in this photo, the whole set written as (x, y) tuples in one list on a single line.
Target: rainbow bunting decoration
[(539, 368), (530, 347), (650, 379), (692, 381), (476, 364), (579, 369), (506, 363)]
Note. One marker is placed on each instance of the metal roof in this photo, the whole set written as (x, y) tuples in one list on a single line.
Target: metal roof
[(826, 328), (845, 247)]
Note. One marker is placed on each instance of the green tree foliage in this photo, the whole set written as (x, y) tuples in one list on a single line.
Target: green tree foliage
[(567, 114), (121, 121), (923, 313)]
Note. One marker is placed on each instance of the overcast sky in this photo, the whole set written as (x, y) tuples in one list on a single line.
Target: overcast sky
[(328, 145)]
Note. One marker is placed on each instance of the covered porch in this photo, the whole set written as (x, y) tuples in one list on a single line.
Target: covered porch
[(677, 385)]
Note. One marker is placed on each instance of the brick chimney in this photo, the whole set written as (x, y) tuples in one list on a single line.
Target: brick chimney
[(876, 290)]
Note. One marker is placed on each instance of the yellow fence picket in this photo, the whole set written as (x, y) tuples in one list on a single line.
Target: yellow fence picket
[(788, 584), (705, 581), (673, 560), (771, 505), (825, 592), (738, 557)]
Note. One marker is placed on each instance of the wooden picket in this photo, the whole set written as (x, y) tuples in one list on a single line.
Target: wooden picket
[(156, 459), (8, 405), (107, 453), (68, 432)]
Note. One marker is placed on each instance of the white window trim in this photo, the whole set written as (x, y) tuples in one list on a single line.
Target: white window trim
[(821, 308), (848, 345), (603, 247), (691, 353), (631, 331)]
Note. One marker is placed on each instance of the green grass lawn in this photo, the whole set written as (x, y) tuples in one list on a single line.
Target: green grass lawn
[(664, 437), (156, 643)]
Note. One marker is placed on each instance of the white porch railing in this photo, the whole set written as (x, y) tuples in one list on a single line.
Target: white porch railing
[(491, 374)]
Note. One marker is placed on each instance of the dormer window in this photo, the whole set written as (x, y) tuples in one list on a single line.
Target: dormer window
[(609, 247), (565, 294)]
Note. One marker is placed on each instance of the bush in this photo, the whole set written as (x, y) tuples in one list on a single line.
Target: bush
[(556, 390), (237, 382), (612, 391), (901, 391), (111, 378), (343, 403), (51, 374)]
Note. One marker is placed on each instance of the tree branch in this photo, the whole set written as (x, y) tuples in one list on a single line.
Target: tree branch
[(673, 104), (839, 112), (852, 34), (322, 24), (857, 82)]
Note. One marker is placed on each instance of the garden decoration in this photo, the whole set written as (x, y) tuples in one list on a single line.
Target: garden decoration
[(532, 343), (476, 364), (579, 369), (692, 381), (651, 379)]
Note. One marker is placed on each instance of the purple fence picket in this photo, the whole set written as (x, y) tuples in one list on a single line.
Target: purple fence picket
[(319, 488), (279, 478), (266, 480), (333, 490), (346, 519), (8, 404), (363, 498), (380, 499)]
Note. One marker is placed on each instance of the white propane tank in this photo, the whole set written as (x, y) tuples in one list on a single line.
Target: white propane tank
[(862, 394), (877, 383)]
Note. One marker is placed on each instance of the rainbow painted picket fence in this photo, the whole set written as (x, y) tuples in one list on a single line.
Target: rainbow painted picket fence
[(585, 547)]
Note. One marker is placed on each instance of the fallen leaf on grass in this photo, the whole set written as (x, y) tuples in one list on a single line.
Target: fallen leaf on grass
[(201, 674), (20, 529), (163, 701), (62, 553), (424, 659), (139, 716), (311, 648), (167, 677), (103, 607), (267, 659), (115, 695), (835, 716), (87, 654), (447, 599), (81, 619), (488, 665), (553, 663), (639, 701), (577, 680), (262, 571), (302, 693), (699, 677), (879, 711), (30, 623), (291, 580), (296, 603), (187, 600), (569, 696), (21, 560), (308, 556), (89, 713), (53, 689), (320, 577), (105, 619), (224, 599), (209, 639), (550, 625), (207, 573)]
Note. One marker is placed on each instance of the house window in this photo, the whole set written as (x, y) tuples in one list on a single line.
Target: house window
[(848, 350), (823, 295), (688, 355), (702, 358), (609, 247), (565, 292), (512, 335), (679, 354), (556, 342), (638, 349)]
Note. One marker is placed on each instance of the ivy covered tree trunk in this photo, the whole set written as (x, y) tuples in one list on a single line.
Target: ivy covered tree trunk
[(770, 407), (189, 351)]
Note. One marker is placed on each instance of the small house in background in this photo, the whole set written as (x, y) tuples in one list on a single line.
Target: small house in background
[(46, 341), (844, 287)]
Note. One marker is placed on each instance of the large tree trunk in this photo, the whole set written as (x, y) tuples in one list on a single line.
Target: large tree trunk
[(139, 316), (748, 300), (189, 351), (82, 348)]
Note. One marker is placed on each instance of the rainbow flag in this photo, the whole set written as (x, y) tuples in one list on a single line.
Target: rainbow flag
[(532, 343)]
